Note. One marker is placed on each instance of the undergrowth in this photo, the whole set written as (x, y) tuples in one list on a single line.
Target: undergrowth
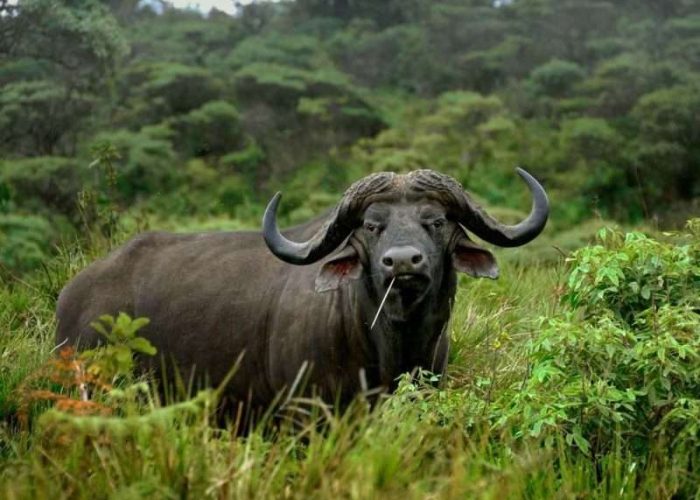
[(565, 380)]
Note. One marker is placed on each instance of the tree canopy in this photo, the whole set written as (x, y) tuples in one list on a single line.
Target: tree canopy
[(599, 99)]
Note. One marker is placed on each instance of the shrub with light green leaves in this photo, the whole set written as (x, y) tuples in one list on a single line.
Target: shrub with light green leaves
[(210, 130), (620, 366), (116, 358), (146, 159), (24, 241), (628, 274), (556, 78), (46, 184)]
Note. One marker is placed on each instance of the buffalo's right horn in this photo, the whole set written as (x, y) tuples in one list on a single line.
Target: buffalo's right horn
[(345, 217), (331, 234)]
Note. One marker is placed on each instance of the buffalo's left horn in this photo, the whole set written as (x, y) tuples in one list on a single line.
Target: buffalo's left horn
[(489, 229), (467, 212)]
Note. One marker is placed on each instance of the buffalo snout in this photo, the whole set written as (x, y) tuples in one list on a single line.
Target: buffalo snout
[(403, 260)]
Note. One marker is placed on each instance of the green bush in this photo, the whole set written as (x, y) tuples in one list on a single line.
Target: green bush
[(300, 51), (621, 366), (24, 242), (25, 108), (232, 192), (212, 129), (44, 183), (146, 163), (154, 92), (398, 56), (245, 162), (556, 78), (665, 152), (297, 114), (627, 275)]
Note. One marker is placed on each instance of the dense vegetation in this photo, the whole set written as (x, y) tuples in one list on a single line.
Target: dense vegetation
[(572, 381), (208, 116), (577, 373)]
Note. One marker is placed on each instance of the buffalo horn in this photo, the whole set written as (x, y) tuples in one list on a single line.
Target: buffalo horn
[(345, 217), (474, 218)]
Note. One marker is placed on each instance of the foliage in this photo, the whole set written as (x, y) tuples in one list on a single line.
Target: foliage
[(668, 142), (577, 382), (68, 51), (629, 274), (297, 51), (292, 112), (152, 92), (597, 99), (626, 375), (211, 130), (89, 40), (145, 160), (470, 436), (556, 78), (245, 162), (23, 241), (116, 358), (76, 382), (23, 108), (48, 184)]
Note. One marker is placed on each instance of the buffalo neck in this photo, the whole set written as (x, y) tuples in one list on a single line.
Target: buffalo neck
[(402, 346)]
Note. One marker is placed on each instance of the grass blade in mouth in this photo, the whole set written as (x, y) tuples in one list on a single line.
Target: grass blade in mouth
[(381, 305)]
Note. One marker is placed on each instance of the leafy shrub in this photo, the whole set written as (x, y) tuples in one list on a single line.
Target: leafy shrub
[(212, 129), (592, 167), (76, 382), (397, 56), (556, 78), (461, 132), (24, 241), (628, 275), (669, 124), (146, 160), (314, 188), (245, 162), (24, 108), (627, 372), (157, 91), (283, 84), (116, 357), (294, 113), (204, 190), (590, 138), (42, 183), (300, 51), (232, 192)]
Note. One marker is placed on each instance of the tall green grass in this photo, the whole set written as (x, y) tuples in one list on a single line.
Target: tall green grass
[(421, 442)]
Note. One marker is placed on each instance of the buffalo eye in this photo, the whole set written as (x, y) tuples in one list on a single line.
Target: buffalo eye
[(436, 224), (371, 227)]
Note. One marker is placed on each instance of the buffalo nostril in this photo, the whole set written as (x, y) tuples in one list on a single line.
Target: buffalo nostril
[(417, 259), (388, 261)]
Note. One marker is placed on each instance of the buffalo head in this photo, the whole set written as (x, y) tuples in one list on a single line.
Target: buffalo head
[(409, 228)]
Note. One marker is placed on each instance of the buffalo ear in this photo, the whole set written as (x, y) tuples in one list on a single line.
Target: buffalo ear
[(343, 266), (469, 258)]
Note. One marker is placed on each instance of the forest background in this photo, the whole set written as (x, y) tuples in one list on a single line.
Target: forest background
[(203, 118), (576, 374)]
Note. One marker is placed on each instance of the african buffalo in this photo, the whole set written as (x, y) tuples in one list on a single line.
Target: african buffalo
[(309, 295)]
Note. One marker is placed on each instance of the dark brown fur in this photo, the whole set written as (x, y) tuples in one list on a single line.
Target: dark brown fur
[(213, 297)]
